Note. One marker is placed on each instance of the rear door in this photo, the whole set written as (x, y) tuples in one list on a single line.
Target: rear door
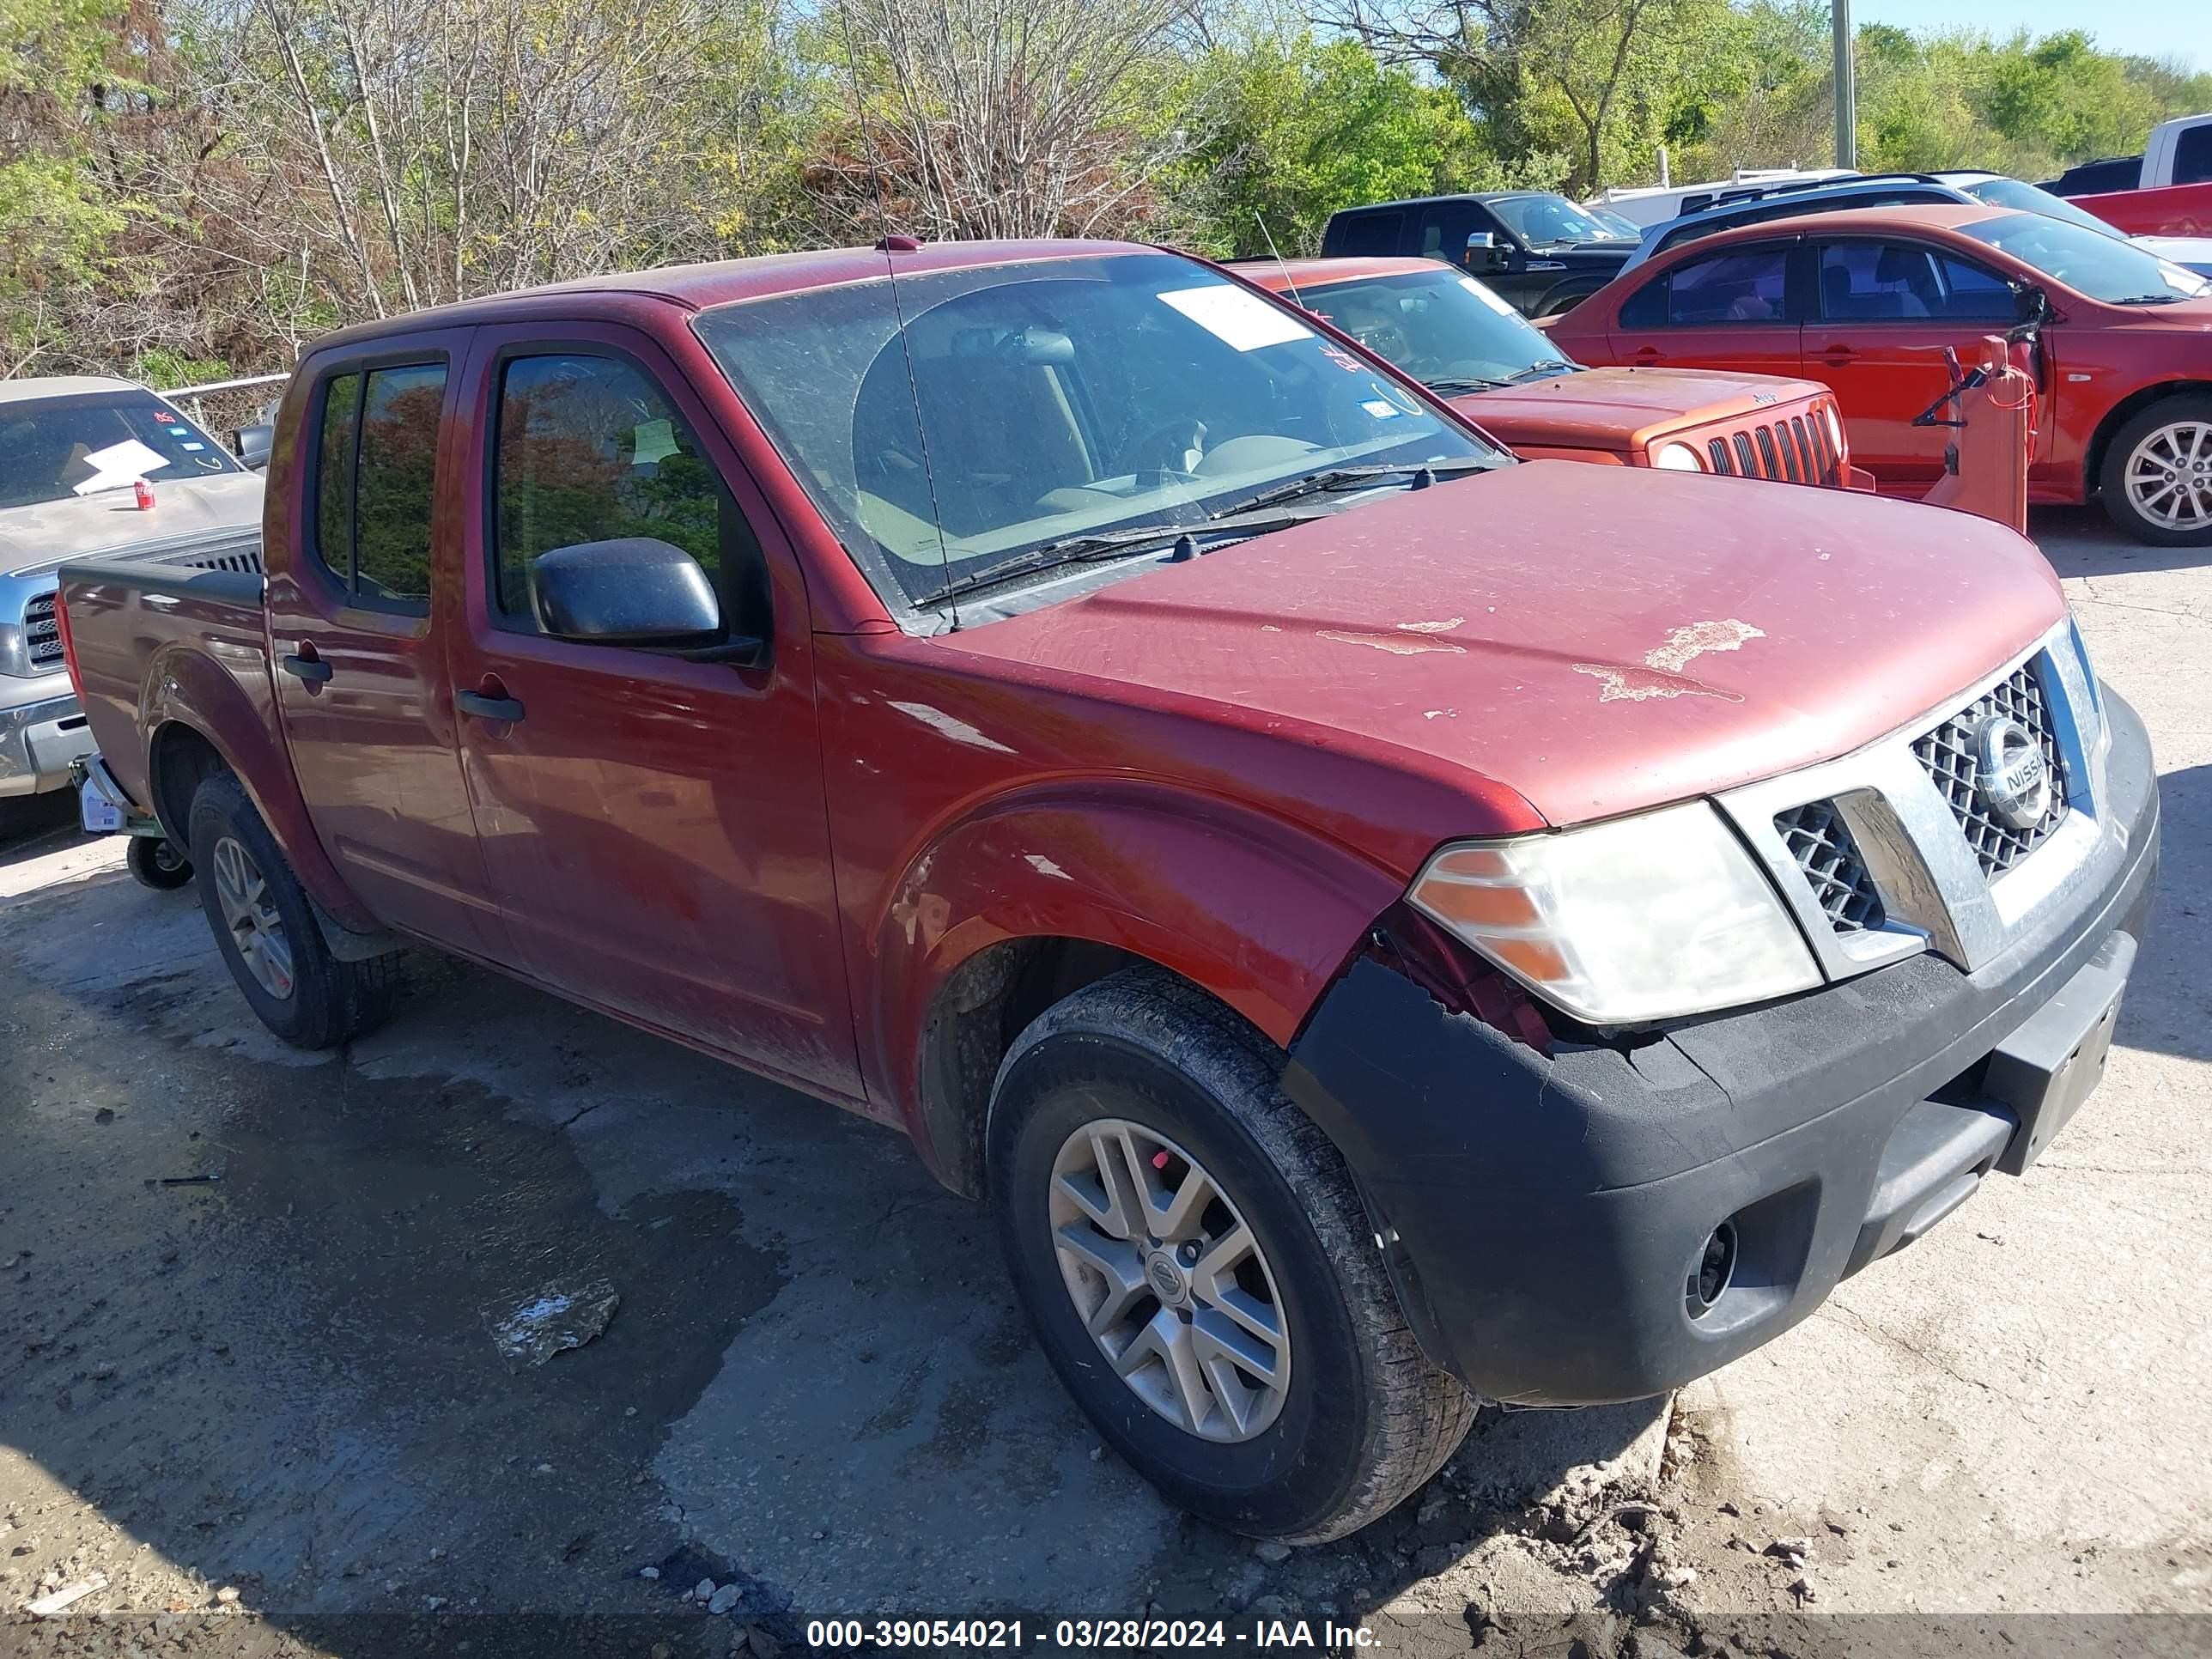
[(1886, 307), (1736, 308), (356, 616), (654, 824)]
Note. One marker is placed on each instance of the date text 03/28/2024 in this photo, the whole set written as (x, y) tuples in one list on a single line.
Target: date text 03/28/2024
[(1318, 1636)]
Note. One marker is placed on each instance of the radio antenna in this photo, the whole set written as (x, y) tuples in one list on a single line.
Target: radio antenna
[(1280, 265), (892, 244)]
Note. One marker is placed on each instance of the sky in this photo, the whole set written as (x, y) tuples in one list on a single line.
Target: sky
[(2149, 28)]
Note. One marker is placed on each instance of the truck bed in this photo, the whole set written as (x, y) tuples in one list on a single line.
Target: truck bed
[(187, 614)]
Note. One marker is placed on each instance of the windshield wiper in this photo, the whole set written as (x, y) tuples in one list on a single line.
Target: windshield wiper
[(1347, 477), (1452, 383), (2156, 299), (1543, 371), (1129, 543)]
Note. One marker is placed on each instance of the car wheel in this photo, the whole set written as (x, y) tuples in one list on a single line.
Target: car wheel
[(267, 932), (1200, 1268), (2157, 476), (157, 863)]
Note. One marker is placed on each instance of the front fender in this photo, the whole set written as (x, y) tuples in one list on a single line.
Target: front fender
[(233, 706), (1260, 912)]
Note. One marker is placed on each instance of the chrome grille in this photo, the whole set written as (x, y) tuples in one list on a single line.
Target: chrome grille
[(1820, 842), (1947, 752), (42, 634)]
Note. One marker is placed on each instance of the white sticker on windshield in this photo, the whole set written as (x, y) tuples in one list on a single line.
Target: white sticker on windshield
[(1382, 411), (1487, 298), (188, 445), (119, 463), (1245, 321)]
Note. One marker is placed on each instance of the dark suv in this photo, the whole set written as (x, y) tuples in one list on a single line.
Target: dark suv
[(1536, 249)]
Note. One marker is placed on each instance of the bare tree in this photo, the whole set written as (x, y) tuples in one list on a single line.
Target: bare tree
[(999, 118)]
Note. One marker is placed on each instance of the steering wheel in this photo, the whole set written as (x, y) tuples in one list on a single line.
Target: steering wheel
[(1183, 433)]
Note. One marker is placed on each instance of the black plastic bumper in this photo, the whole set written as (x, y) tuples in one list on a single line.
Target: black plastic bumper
[(1545, 1217)]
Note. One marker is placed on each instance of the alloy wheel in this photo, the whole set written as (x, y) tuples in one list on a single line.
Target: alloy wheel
[(2169, 475), (1170, 1280), (256, 932)]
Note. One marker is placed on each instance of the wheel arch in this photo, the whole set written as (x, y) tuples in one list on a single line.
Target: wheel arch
[(2119, 414)]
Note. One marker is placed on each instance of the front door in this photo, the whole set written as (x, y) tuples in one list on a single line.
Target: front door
[(355, 616), (1734, 308), (654, 823), (1886, 309)]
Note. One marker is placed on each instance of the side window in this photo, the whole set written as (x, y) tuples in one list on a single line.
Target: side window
[(1444, 232), (1880, 282), (588, 450), (2192, 155), (398, 475), (1746, 285), (334, 451), (376, 456), (1370, 233)]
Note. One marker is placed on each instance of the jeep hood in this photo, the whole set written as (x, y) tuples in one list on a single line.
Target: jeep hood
[(1599, 640), (1625, 409), (39, 536)]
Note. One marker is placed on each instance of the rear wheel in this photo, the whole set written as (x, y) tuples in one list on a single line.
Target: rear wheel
[(157, 863), (1200, 1268), (2157, 477), (267, 932)]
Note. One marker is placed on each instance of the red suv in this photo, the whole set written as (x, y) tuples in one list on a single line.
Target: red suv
[(1867, 300)]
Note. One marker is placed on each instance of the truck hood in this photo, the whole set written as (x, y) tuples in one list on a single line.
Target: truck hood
[(38, 538), (1598, 640), (1624, 408)]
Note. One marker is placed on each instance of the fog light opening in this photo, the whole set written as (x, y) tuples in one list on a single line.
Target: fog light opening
[(1715, 1268)]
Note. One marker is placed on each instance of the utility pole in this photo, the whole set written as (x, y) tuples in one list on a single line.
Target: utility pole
[(1847, 118)]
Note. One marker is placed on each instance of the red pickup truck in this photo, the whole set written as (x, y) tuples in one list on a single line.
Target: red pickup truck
[(1382, 924)]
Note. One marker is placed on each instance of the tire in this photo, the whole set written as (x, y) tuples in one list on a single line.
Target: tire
[(1363, 1418), (314, 1001), (2151, 438), (157, 863)]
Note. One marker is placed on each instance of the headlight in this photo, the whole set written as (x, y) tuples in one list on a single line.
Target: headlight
[(1677, 458), (1640, 918), (1835, 431)]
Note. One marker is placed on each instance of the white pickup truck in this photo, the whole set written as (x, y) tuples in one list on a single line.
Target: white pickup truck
[(2177, 152), (74, 452)]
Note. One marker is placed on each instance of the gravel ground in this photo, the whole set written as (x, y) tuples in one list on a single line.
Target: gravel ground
[(249, 1377)]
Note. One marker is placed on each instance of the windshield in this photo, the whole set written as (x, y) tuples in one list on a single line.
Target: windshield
[(1438, 328), (1056, 399), (1541, 221), (2031, 198), (49, 445), (2102, 267), (1625, 228)]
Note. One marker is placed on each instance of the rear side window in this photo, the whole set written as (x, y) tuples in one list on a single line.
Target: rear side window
[(1884, 282), (589, 450), (1368, 232), (1747, 285), (376, 452), (2192, 155)]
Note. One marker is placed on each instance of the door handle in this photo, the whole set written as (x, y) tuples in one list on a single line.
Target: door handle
[(1835, 356), (1648, 355), (307, 666), (487, 708)]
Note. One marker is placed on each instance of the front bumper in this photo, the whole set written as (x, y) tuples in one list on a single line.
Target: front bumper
[(1542, 1217), (41, 736)]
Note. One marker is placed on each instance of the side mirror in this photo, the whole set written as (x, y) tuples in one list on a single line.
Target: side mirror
[(2031, 303), (253, 444), (1484, 251), (633, 591)]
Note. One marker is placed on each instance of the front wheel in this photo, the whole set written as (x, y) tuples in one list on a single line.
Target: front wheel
[(266, 928), (1200, 1270), (2157, 477)]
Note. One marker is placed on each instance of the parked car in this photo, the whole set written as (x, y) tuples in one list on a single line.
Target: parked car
[(1539, 251), (2177, 152), (1904, 190), (1868, 300), (1464, 342), (71, 450), (1644, 205), (1382, 924)]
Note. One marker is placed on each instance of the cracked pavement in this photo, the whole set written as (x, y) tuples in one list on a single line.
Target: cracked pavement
[(817, 1387)]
